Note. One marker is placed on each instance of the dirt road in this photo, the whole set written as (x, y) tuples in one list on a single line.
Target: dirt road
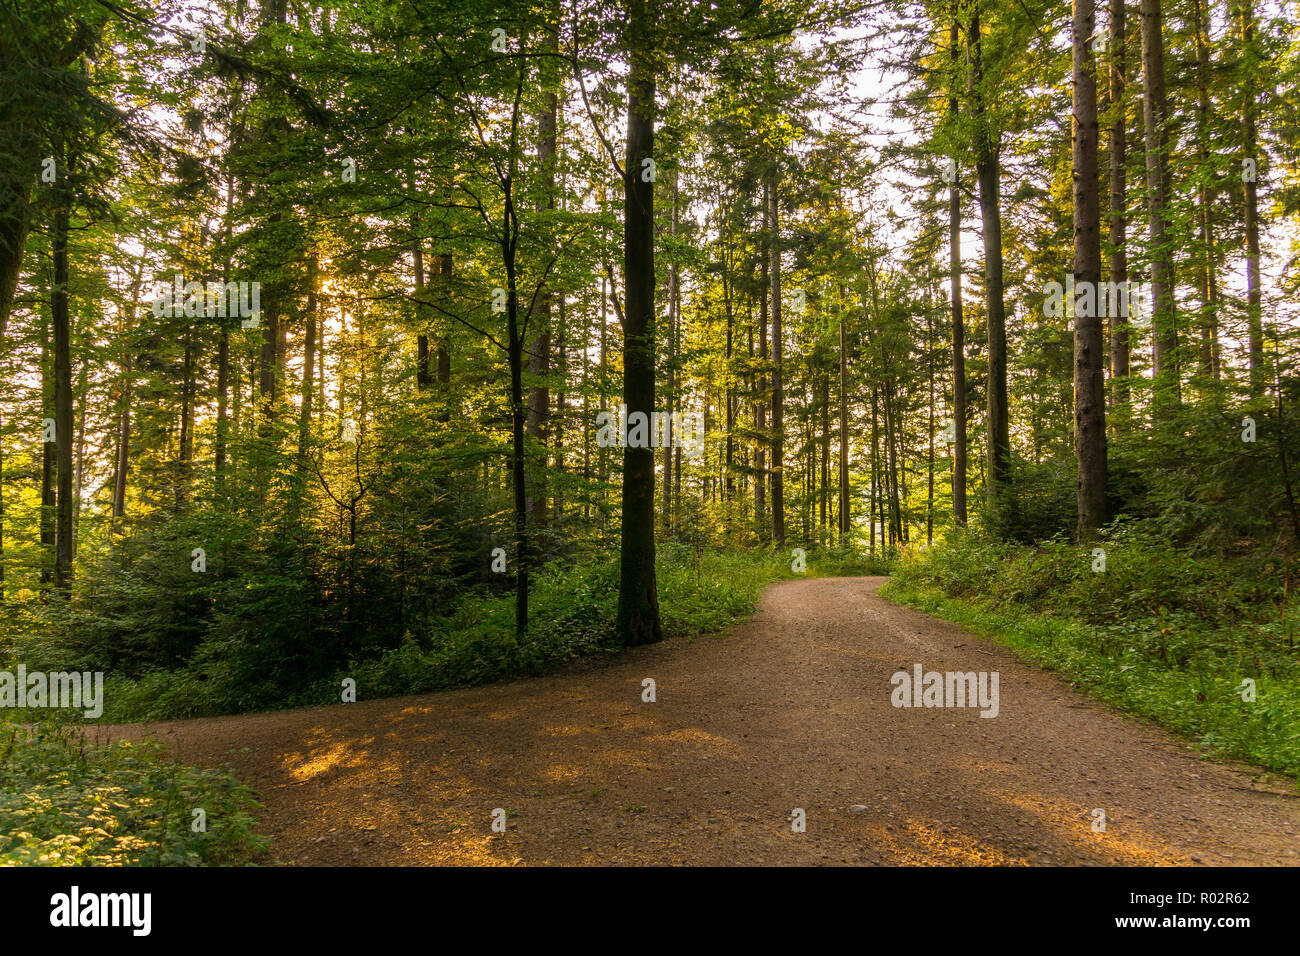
[(789, 710)]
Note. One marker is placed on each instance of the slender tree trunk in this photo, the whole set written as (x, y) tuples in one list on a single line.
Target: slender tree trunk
[(670, 394), (539, 358), (844, 426), (1154, 114), (958, 332), (891, 440), (586, 417), (1119, 324), (826, 447), (423, 371), (275, 129), (929, 351), (187, 421), (602, 457), (1254, 312), (760, 416), (638, 599), (122, 459), (308, 361), (515, 347), (81, 451), (62, 397), (1209, 279), (123, 442), (874, 513), (4, 324), (1089, 338), (778, 389), (731, 407), (561, 405)]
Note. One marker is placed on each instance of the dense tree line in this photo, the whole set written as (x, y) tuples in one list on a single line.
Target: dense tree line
[(909, 265)]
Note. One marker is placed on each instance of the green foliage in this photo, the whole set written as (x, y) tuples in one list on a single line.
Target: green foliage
[(572, 608), (1161, 633), (65, 802)]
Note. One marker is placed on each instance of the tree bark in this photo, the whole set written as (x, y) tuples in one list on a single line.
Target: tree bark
[(308, 361), (423, 372), (1119, 324), (1089, 340), (1254, 313), (62, 397), (958, 332), (539, 357), (49, 462), (778, 393), (988, 170), (1163, 319), (844, 425), (760, 414), (1209, 279), (638, 599)]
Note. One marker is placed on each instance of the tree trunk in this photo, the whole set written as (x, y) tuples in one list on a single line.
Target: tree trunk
[(874, 513), (760, 415), (929, 352), (844, 426), (825, 448), (1209, 280), (309, 362), (731, 408), (1089, 339), (187, 420), (778, 396), (1246, 17), (444, 347), (988, 170), (670, 393), (423, 376), (1163, 319), (1119, 324), (539, 357), (638, 600), (123, 443), (62, 397), (958, 332)]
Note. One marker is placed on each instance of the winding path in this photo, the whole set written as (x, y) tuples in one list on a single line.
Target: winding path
[(789, 710)]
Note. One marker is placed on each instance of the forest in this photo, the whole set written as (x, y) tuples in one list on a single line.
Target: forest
[(393, 346)]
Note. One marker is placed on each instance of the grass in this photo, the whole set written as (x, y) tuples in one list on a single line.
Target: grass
[(1170, 637)]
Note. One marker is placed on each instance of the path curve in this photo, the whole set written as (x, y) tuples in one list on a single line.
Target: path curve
[(788, 710)]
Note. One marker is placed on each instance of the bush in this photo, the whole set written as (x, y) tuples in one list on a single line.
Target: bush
[(64, 802)]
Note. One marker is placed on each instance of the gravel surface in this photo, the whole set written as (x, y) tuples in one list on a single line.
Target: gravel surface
[(789, 710)]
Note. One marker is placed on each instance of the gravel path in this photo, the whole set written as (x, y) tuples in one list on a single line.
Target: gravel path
[(789, 710)]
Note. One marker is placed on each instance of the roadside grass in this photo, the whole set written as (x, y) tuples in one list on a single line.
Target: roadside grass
[(1161, 634)]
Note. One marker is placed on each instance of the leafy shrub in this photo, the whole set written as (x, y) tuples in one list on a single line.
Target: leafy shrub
[(64, 802)]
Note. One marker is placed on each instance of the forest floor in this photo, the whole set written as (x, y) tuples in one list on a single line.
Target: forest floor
[(789, 710)]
